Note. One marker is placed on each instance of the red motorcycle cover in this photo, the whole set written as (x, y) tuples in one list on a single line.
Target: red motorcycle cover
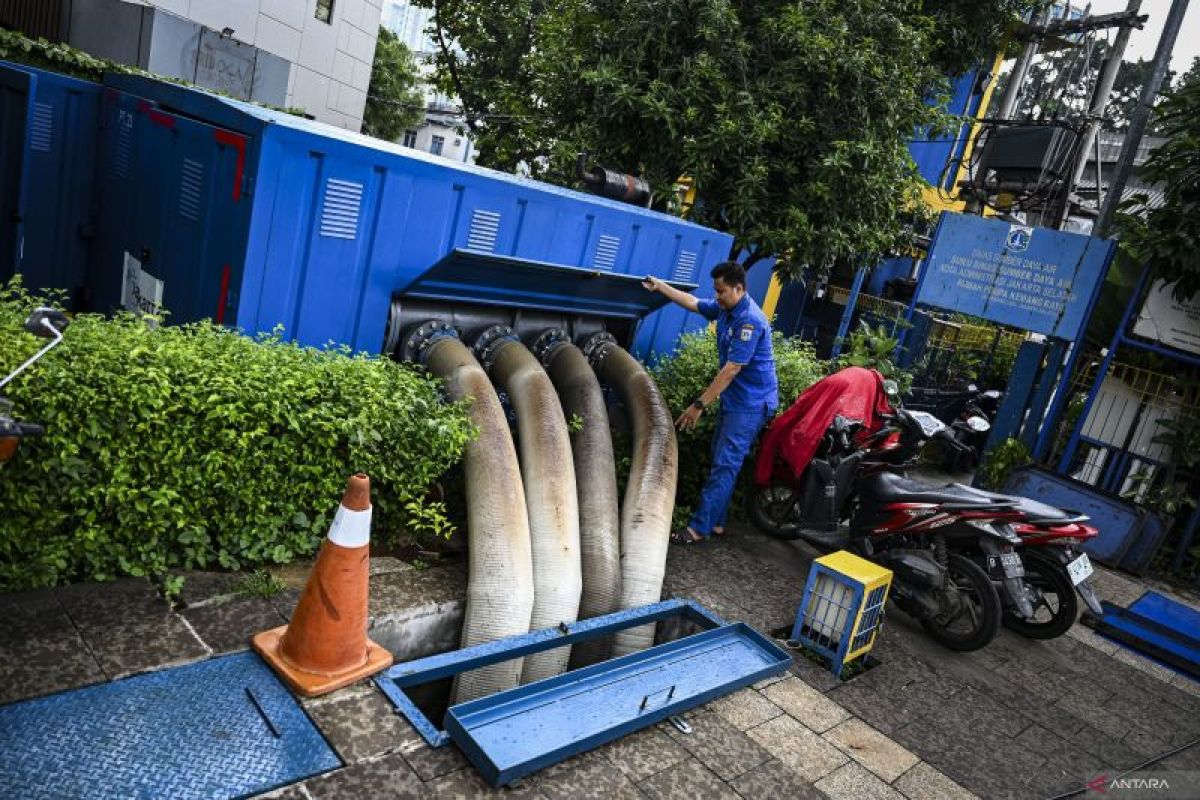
[(855, 393)]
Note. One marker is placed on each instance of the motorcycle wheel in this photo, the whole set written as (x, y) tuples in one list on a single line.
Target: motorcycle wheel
[(772, 510), (1059, 607), (982, 611)]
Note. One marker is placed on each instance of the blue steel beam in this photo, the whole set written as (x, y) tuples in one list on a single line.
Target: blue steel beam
[(848, 314)]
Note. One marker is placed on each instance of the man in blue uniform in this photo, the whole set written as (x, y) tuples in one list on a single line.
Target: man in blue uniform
[(745, 383)]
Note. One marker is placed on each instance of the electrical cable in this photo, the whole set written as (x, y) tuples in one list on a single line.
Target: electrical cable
[(1143, 765)]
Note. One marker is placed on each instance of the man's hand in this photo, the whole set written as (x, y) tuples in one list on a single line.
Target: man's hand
[(688, 418), (652, 283)]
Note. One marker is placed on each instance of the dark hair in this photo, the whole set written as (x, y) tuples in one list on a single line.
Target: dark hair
[(731, 273)]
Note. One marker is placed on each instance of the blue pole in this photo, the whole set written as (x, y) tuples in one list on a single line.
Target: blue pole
[(848, 314), (1068, 455)]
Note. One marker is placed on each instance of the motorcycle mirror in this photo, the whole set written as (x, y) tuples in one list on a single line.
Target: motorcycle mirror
[(891, 388), (972, 388), (992, 394), (978, 424), (46, 322)]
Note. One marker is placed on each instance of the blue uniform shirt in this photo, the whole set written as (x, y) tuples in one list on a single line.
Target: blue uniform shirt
[(744, 337)]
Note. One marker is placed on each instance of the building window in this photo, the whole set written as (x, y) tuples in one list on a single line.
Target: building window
[(435, 145), (325, 11), (410, 139)]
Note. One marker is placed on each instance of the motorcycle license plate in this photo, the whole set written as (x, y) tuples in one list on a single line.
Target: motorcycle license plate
[(1079, 569), (1007, 564)]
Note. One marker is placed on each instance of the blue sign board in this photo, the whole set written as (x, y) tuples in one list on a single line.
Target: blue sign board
[(1037, 279)]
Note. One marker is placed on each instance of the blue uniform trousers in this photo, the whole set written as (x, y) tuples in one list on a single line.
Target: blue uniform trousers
[(735, 434)]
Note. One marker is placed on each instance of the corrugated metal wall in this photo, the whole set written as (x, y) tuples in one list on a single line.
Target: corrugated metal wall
[(34, 18)]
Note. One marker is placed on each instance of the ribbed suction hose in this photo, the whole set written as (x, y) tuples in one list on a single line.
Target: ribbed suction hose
[(548, 475), (650, 494), (596, 478), (500, 589)]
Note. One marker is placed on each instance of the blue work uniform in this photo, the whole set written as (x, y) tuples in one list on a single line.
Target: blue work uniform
[(747, 404)]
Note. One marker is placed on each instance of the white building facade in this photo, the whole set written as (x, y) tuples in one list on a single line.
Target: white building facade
[(442, 132), (314, 55)]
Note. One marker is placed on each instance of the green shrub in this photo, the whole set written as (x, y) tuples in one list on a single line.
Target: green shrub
[(193, 446), (683, 375), (1000, 461), (874, 348)]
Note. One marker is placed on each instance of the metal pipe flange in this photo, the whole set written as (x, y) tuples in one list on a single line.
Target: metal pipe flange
[(597, 346), (545, 343), (416, 345), (489, 343)]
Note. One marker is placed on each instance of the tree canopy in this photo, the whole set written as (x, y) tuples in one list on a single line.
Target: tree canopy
[(395, 102), (1167, 237), (791, 120)]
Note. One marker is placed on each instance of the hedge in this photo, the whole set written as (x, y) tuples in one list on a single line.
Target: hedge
[(193, 446), (684, 374)]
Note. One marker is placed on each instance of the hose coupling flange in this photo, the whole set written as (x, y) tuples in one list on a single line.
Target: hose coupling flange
[(416, 345), (490, 342), (597, 346)]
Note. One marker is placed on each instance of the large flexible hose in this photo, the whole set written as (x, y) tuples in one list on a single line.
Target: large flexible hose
[(596, 477), (650, 494), (548, 475), (500, 589)]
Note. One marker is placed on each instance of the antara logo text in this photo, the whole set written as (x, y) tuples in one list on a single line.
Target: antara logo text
[(1101, 784)]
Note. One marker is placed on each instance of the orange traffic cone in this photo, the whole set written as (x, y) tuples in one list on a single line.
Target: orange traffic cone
[(325, 647)]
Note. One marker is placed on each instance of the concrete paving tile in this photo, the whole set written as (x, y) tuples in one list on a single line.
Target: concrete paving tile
[(95, 605), (387, 778), (143, 643), (852, 782), (774, 781), (806, 704), (765, 682), (800, 750), (465, 784), (745, 709), (925, 782), (1084, 634), (872, 749), (1054, 748), (1185, 684), (815, 676), (588, 779), (226, 624), (296, 791), (432, 762), (686, 781), (361, 723), (203, 587), (1109, 749), (642, 754), (1096, 716), (41, 652), (719, 745), (869, 705), (1143, 664), (971, 710)]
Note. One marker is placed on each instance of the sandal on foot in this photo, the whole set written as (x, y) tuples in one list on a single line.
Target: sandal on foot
[(685, 536)]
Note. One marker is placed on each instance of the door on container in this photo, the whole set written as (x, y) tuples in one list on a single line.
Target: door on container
[(191, 217), (16, 97)]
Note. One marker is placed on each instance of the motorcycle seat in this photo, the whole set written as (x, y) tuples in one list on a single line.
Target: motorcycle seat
[(887, 487)]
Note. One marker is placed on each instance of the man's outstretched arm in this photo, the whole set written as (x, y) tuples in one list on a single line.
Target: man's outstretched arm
[(668, 291)]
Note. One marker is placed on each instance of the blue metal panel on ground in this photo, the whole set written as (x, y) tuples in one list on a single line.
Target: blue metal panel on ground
[(1037, 279), (516, 732), (1150, 537), (16, 111), (1164, 629), (60, 161), (330, 223), (1117, 521), (221, 728)]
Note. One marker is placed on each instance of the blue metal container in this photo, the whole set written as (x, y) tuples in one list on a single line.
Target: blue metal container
[(47, 163), (221, 209)]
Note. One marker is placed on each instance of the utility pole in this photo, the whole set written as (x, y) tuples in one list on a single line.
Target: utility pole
[(1141, 115), (1020, 70), (1104, 85)]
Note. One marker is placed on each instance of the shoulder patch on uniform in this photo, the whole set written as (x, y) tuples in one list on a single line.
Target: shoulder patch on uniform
[(746, 333)]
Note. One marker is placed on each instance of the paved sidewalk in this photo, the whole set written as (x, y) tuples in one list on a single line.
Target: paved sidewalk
[(1017, 719)]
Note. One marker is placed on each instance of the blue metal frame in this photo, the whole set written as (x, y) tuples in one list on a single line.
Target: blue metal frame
[(848, 314), (835, 655), (444, 665)]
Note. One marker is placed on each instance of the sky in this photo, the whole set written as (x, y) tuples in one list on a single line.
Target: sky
[(1142, 43)]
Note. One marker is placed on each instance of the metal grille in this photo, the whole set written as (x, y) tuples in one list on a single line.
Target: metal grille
[(1118, 452), (41, 128), (606, 252), (872, 616), (339, 215), (124, 149), (958, 353), (685, 267), (191, 181), (485, 227), (830, 607)]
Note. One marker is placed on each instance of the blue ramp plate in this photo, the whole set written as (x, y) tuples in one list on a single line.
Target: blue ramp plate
[(484, 278), (217, 729), (1118, 522), (521, 730), (1162, 628)]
